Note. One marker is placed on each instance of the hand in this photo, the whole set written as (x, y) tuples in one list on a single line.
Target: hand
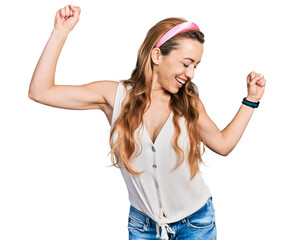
[(255, 85), (66, 18)]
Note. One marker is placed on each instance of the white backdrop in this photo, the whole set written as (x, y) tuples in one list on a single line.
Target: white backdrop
[(54, 179)]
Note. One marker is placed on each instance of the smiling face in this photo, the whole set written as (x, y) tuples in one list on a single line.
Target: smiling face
[(177, 66)]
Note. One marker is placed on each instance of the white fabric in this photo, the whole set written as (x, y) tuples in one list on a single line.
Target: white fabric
[(165, 196)]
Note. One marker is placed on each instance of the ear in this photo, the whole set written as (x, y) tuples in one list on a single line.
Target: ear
[(155, 55)]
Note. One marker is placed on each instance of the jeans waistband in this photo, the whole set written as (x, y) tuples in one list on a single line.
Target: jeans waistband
[(142, 216)]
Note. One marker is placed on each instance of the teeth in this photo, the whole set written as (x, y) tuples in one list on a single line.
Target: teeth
[(182, 82), (179, 82)]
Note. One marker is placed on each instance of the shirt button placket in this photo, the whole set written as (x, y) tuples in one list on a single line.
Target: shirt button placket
[(153, 150), (156, 184)]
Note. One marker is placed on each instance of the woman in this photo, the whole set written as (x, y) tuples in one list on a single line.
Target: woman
[(158, 123)]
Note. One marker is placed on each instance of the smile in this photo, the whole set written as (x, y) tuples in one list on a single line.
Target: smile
[(179, 82)]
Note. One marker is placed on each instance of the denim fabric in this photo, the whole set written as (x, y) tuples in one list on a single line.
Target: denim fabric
[(198, 226)]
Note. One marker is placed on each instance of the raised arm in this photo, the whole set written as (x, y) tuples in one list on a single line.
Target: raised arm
[(95, 95), (223, 142)]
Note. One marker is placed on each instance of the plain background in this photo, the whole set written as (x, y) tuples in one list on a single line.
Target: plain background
[(54, 179)]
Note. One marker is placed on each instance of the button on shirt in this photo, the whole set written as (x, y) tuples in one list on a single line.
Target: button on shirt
[(164, 195)]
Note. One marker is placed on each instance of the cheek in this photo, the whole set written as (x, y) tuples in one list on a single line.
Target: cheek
[(172, 70), (164, 72), (169, 70)]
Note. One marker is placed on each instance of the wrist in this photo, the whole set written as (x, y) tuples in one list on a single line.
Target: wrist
[(251, 99), (250, 103), (62, 33)]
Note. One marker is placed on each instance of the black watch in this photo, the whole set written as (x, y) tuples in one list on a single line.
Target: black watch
[(250, 104)]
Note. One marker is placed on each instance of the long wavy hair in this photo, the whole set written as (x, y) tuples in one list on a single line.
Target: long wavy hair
[(137, 101)]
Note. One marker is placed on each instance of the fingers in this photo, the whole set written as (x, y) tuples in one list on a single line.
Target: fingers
[(66, 12), (69, 11), (76, 10), (62, 13), (256, 78), (250, 77), (261, 82)]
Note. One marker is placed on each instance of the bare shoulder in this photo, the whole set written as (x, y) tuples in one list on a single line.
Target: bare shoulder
[(108, 91), (200, 106), (110, 98), (203, 119)]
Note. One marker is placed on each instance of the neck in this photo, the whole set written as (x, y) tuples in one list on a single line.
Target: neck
[(157, 90)]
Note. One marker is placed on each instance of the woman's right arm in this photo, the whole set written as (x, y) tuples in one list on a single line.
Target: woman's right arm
[(95, 95)]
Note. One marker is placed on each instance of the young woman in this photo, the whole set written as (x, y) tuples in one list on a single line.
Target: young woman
[(158, 124)]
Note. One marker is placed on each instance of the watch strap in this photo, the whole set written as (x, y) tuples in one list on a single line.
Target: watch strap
[(250, 104)]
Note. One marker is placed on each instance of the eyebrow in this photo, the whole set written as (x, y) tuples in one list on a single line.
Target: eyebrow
[(191, 60)]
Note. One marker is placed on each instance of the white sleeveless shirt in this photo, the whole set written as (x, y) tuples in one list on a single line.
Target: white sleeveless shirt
[(164, 195)]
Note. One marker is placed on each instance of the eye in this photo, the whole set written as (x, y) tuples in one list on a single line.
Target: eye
[(188, 66)]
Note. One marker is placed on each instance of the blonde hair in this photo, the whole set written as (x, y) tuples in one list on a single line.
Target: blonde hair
[(182, 104)]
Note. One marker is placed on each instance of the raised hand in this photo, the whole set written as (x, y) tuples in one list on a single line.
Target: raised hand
[(66, 18), (255, 86)]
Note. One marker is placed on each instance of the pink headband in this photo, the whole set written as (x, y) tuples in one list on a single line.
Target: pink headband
[(182, 27)]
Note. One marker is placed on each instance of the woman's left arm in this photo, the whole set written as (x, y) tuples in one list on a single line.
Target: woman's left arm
[(223, 142)]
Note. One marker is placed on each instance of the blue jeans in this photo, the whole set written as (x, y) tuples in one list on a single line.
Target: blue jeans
[(200, 225)]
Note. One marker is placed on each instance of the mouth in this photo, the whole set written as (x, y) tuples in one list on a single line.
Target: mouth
[(180, 82)]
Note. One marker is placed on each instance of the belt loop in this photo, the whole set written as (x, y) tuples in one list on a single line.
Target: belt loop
[(184, 220)]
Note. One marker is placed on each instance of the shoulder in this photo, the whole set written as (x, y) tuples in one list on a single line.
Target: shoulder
[(108, 91), (111, 91)]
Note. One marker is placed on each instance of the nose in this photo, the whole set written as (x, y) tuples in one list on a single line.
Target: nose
[(190, 72)]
